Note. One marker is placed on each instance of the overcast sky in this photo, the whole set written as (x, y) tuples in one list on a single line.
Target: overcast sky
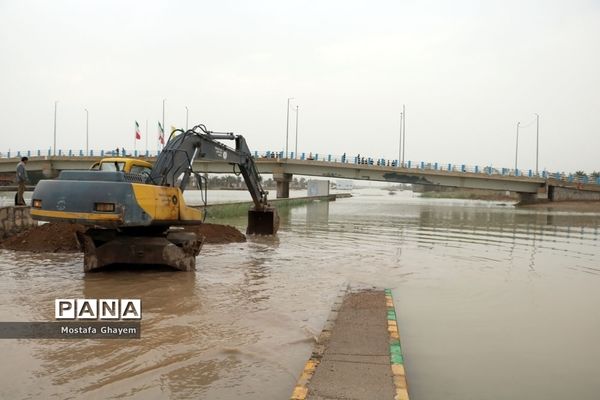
[(467, 71)]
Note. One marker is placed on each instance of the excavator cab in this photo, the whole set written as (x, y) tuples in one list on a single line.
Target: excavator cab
[(129, 165)]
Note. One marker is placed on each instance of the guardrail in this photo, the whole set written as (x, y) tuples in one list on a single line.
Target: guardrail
[(80, 153), (346, 159), (433, 166)]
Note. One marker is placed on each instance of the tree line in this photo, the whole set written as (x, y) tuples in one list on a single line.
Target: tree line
[(236, 182)]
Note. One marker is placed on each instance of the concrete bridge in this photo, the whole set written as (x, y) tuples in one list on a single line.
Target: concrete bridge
[(530, 187)]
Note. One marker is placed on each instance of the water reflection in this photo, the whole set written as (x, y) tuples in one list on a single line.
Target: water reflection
[(317, 213), (257, 270)]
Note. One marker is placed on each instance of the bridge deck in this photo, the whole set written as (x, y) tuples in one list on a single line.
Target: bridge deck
[(426, 174)]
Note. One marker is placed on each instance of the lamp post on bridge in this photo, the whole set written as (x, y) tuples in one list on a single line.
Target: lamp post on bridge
[(537, 142), (403, 133), (55, 107), (296, 146), (400, 140), (287, 126), (87, 131), (517, 147)]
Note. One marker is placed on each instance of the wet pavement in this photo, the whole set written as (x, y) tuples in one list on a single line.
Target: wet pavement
[(356, 361)]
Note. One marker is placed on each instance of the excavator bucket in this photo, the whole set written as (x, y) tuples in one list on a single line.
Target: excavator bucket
[(263, 221)]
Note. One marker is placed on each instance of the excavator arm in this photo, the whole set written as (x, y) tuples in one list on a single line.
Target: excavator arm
[(177, 158), (181, 150)]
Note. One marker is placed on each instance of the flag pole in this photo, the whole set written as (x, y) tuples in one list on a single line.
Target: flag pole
[(163, 120), (161, 137), (146, 136)]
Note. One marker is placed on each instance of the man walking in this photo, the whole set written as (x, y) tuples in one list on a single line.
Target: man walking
[(21, 180)]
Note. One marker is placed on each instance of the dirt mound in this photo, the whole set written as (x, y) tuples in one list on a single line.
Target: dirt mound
[(217, 234), (61, 237), (46, 238)]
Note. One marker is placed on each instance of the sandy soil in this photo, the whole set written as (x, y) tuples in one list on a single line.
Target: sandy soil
[(218, 234), (47, 238), (61, 237)]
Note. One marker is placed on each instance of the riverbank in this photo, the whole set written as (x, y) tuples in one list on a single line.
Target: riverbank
[(217, 211), (471, 194), (582, 206), (61, 237), (20, 233), (568, 206)]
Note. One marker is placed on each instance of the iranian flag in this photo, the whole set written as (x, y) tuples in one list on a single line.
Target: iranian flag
[(138, 135), (161, 134)]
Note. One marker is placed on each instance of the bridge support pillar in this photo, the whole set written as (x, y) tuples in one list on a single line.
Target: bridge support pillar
[(528, 198), (48, 171), (283, 184), (543, 195)]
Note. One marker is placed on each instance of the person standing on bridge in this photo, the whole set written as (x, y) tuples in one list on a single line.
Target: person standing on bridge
[(21, 181)]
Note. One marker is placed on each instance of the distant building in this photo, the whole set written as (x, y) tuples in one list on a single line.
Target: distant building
[(317, 188)]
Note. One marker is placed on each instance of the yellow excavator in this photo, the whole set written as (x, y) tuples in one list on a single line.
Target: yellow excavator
[(132, 208)]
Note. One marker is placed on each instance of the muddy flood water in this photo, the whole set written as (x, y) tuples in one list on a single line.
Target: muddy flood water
[(492, 303)]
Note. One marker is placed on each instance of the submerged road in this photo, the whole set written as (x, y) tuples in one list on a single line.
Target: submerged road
[(358, 354)]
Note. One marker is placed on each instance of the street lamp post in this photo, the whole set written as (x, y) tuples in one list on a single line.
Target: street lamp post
[(287, 126), (400, 140), (55, 106), (403, 133), (187, 111), (537, 142), (517, 147), (296, 146), (87, 131)]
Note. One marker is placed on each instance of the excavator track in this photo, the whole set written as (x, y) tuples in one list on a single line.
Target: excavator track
[(106, 247)]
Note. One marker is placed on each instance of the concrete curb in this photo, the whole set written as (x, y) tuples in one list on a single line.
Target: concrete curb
[(335, 332), (396, 357)]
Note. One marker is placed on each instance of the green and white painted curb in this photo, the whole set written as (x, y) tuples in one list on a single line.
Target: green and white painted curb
[(396, 357)]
